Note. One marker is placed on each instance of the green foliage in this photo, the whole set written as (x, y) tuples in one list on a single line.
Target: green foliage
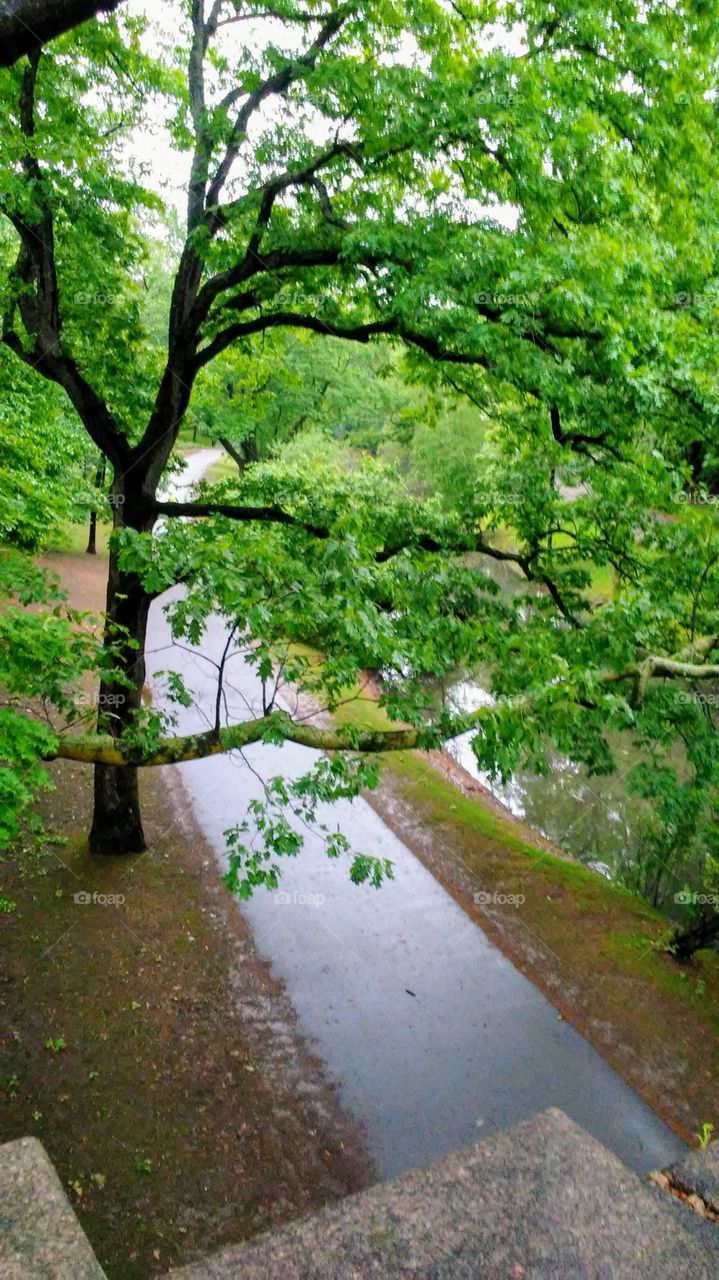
[(44, 652), (259, 395), (275, 835), (520, 205), (704, 1136), (44, 469)]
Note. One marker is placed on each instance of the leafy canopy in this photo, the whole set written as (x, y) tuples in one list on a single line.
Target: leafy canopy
[(515, 197)]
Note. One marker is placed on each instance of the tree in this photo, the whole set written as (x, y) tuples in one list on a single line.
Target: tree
[(251, 402), (25, 25), (92, 530), (561, 322)]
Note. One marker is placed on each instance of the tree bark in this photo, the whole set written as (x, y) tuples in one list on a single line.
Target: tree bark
[(699, 933), (26, 25), (117, 823), (237, 455), (91, 548)]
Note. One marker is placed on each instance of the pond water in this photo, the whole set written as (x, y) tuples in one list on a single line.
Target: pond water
[(595, 818)]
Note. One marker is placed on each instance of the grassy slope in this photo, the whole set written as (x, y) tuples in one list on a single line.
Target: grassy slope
[(223, 469)]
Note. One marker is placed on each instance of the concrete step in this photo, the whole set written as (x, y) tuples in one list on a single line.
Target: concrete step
[(40, 1237), (540, 1201), (698, 1175)]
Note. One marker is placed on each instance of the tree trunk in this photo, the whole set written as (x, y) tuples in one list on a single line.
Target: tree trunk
[(91, 548), (117, 824), (234, 453), (243, 454), (27, 24), (699, 933), (116, 821)]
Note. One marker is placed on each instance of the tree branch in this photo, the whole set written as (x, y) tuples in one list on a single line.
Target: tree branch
[(273, 85), (102, 749), (578, 440), (99, 748), (26, 25), (39, 298), (291, 319), (266, 515), (418, 542)]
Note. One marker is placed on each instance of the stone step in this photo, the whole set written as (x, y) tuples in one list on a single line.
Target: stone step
[(540, 1201), (698, 1175), (40, 1237)]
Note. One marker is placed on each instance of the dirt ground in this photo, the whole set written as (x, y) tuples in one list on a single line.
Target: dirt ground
[(145, 1043)]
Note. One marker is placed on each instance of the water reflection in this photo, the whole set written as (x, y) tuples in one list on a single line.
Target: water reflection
[(597, 819)]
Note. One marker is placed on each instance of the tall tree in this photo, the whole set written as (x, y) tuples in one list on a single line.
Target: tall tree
[(507, 209)]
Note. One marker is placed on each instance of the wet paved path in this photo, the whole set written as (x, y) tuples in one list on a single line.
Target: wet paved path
[(431, 1033)]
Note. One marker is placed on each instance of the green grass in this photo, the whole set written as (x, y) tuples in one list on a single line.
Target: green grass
[(441, 797), (224, 469), (678, 982), (601, 577), (71, 539)]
